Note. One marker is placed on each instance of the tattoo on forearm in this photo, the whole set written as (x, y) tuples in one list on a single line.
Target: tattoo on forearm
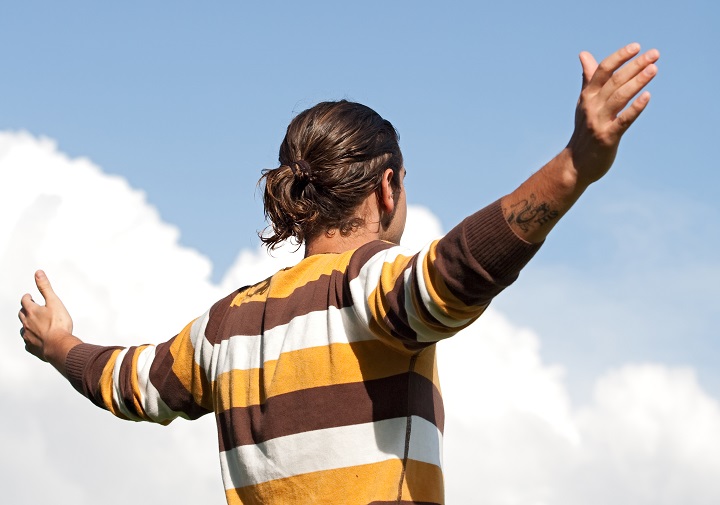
[(528, 212)]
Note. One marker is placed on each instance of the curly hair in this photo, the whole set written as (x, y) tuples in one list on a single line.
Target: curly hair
[(332, 157)]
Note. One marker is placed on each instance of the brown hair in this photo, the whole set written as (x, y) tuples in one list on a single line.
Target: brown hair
[(332, 157)]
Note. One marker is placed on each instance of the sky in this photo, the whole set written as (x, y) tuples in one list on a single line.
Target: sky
[(131, 140)]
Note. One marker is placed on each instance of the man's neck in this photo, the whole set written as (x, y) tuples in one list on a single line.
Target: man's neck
[(334, 242)]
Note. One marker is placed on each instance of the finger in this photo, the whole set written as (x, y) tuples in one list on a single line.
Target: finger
[(624, 75), (26, 302), (43, 285), (589, 65), (629, 115), (624, 95), (609, 65)]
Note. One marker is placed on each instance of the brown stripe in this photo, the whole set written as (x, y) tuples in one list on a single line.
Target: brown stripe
[(327, 291), (171, 389), (463, 276), (396, 317), (127, 395), (217, 315), (363, 254), (330, 407), (482, 256), (252, 318)]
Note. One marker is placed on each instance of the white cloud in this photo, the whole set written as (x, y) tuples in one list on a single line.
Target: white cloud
[(650, 434)]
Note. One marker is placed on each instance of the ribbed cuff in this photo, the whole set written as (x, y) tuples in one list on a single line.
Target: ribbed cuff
[(76, 361), (494, 245)]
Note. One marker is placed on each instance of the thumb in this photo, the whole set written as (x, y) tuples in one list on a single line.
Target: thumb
[(589, 66), (43, 285)]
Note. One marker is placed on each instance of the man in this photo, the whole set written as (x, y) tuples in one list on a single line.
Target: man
[(322, 377)]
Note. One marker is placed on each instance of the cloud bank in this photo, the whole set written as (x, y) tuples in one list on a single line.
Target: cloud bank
[(648, 435)]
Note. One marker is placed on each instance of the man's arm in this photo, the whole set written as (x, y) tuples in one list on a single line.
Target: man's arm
[(151, 383), (600, 122)]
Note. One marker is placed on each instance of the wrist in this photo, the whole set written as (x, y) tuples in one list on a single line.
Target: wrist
[(569, 176), (57, 348)]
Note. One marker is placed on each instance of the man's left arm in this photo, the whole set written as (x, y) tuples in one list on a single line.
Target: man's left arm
[(601, 119)]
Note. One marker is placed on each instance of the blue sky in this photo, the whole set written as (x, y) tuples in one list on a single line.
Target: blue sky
[(186, 100), (189, 101)]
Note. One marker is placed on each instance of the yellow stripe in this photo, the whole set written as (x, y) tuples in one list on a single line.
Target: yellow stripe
[(426, 365), (136, 385), (284, 282), (353, 485), (316, 367), (106, 385), (423, 482), (440, 294), (308, 270), (256, 293), (192, 378)]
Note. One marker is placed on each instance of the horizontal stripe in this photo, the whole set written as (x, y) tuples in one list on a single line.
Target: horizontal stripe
[(128, 385), (423, 484), (430, 297), (334, 326), (187, 367), (155, 408), (118, 398), (310, 270), (363, 254), (331, 406), (107, 384), (426, 326), (327, 449), (175, 394), (356, 485), (367, 280), (383, 300), (443, 298), (313, 367), (249, 317)]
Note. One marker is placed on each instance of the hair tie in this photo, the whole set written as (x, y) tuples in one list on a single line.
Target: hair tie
[(301, 169)]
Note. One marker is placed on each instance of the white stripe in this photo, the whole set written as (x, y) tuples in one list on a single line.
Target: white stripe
[(116, 388), (202, 348), (329, 449), (316, 329), (150, 399), (432, 307), (368, 280)]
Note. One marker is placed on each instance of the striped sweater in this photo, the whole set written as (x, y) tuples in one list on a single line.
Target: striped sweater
[(322, 377)]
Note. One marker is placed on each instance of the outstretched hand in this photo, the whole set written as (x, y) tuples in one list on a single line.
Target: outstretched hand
[(603, 115), (47, 329)]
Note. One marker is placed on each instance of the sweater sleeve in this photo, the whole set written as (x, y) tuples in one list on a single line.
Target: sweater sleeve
[(148, 382), (419, 299)]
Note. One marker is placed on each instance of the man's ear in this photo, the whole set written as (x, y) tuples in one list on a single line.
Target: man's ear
[(386, 199)]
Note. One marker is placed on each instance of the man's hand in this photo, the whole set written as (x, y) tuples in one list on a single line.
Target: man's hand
[(601, 117), (47, 329)]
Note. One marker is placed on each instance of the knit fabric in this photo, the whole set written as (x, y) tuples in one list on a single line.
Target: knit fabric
[(322, 377)]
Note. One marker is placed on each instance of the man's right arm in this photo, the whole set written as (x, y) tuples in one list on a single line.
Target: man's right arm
[(151, 383)]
